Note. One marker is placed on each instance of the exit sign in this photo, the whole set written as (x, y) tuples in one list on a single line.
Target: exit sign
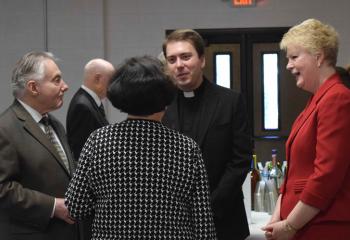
[(243, 3)]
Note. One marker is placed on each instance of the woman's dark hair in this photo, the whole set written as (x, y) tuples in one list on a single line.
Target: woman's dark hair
[(141, 87), (344, 74)]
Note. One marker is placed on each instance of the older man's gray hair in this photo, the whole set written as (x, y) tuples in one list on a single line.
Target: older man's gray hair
[(29, 67)]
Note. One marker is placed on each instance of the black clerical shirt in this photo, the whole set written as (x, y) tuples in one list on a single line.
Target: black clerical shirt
[(190, 109)]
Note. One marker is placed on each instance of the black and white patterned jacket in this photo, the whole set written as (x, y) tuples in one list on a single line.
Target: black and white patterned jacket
[(144, 181)]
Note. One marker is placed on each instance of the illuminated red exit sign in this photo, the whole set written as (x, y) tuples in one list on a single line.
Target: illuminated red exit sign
[(243, 3)]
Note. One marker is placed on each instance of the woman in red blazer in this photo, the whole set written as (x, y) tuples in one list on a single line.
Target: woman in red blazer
[(315, 197)]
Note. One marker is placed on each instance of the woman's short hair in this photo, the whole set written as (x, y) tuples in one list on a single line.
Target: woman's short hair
[(141, 87), (315, 37)]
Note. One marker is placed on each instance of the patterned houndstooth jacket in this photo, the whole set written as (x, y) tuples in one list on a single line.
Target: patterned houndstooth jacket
[(144, 181)]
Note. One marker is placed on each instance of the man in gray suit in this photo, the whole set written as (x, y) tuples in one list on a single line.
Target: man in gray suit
[(35, 161)]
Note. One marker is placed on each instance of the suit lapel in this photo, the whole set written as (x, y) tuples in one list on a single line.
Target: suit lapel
[(35, 131), (99, 115), (171, 117), (299, 122), (209, 104), (309, 109)]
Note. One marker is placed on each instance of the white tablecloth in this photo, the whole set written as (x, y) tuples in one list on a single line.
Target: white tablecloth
[(258, 220)]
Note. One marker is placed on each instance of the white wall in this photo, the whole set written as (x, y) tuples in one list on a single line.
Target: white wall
[(78, 30), (21, 30)]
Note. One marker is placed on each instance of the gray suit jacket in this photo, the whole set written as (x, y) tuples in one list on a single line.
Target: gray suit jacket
[(31, 176)]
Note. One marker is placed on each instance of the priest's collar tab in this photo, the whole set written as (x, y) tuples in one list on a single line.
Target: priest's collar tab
[(189, 94)]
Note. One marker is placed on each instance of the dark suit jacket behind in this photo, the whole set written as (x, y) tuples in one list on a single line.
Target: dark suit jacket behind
[(31, 175), (83, 118), (226, 146)]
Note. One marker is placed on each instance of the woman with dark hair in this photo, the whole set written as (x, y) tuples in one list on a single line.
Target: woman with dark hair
[(143, 180)]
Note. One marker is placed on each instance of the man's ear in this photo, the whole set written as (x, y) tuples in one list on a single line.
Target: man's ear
[(97, 78), (203, 61), (32, 87)]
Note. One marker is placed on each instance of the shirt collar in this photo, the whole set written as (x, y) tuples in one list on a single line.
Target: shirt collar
[(34, 113), (196, 92), (189, 94), (92, 94)]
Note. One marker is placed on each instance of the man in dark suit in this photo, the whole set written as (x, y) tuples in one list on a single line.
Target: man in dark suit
[(86, 110), (35, 168), (215, 117)]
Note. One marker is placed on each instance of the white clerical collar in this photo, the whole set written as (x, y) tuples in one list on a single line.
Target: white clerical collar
[(189, 94)]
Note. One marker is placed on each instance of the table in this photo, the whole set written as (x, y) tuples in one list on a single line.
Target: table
[(257, 220)]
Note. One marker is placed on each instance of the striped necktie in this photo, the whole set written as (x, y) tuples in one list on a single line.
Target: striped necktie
[(49, 132), (102, 110)]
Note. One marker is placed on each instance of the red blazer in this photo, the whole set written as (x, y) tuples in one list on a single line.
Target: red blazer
[(318, 158)]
